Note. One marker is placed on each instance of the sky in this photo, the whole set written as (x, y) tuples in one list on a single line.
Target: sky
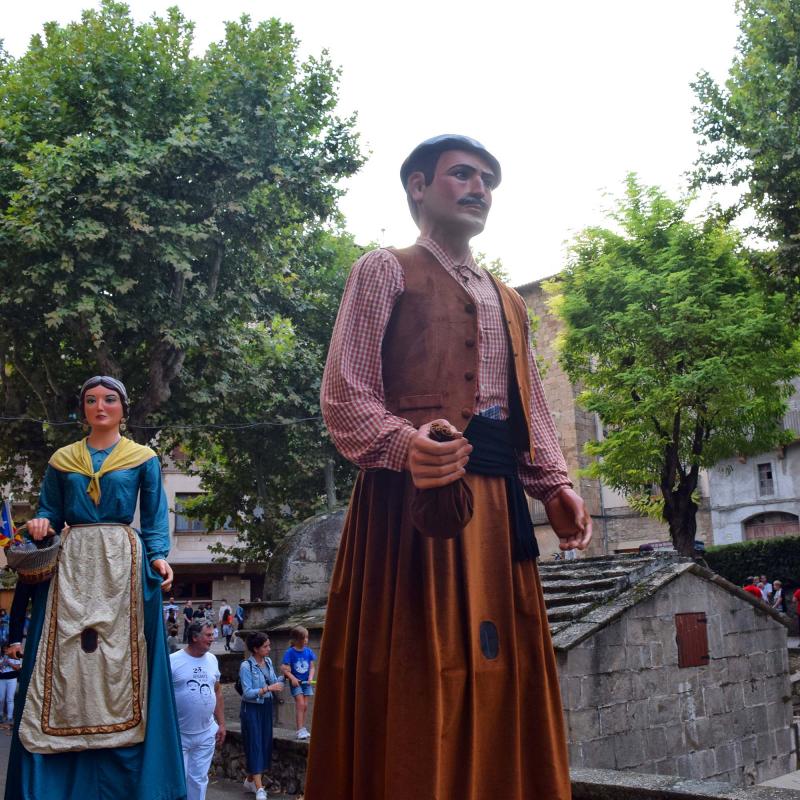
[(570, 96)]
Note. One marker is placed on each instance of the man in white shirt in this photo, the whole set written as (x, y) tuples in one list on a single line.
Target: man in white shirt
[(201, 712)]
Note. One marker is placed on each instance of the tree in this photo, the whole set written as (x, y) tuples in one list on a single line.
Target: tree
[(682, 355), (266, 461), (154, 206), (748, 131)]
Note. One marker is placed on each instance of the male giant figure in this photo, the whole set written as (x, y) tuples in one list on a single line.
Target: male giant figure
[(437, 677)]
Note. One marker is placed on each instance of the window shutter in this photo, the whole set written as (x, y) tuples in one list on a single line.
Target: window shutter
[(691, 634)]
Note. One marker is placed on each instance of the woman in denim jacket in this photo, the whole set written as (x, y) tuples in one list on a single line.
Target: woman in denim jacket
[(259, 681)]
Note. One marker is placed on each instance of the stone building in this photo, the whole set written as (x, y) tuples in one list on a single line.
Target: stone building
[(197, 576), (617, 527), (667, 668), (759, 497), (664, 666)]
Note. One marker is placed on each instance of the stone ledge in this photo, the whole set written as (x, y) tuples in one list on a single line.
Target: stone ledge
[(608, 784)]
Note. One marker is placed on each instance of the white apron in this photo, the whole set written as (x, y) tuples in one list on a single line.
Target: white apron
[(89, 684)]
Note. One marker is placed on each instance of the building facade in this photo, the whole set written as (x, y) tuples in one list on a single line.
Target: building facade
[(759, 497)]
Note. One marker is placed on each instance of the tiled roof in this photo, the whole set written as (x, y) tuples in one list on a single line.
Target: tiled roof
[(586, 594)]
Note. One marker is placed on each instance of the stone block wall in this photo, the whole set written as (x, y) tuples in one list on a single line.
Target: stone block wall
[(287, 774), (301, 569), (629, 706)]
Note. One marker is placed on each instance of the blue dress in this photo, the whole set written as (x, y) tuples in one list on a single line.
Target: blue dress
[(152, 770)]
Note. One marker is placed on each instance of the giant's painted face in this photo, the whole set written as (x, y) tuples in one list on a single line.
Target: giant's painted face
[(102, 408), (459, 196)]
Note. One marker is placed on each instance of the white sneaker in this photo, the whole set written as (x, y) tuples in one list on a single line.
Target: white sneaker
[(249, 786), (303, 734), (261, 794)]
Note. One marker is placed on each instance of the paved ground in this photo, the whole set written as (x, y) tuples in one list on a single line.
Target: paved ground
[(217, 789)]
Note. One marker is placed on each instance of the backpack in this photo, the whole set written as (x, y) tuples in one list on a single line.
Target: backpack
[(238, 685)]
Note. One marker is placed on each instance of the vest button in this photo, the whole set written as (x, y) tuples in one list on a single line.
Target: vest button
[(469, 308), (468, 376), (466, 413), (469, 342)]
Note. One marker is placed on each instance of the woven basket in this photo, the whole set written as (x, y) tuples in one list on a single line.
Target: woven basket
[(35, 566)]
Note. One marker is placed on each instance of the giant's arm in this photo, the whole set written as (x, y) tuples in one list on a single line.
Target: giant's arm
[(352, 398), (154, 512), (547, 473)]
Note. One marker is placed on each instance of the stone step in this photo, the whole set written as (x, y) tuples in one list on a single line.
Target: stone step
[(568, 613), (556, 599), (577, 586)]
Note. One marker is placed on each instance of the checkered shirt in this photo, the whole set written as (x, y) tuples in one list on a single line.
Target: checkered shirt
[(352, 397)]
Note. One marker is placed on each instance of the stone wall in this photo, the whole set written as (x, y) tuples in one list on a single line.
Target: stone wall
[(287, 774), (629, 706), (300, 571)]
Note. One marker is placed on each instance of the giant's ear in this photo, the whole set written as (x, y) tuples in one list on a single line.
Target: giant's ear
[(415, 186)]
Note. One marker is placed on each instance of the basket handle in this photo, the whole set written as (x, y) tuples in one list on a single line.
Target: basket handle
[(50, 529)]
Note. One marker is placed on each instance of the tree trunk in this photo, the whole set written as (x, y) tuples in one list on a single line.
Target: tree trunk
[(330, 485), (681, 514)]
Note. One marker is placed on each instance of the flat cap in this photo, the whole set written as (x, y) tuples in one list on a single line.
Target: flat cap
[(438, 145)]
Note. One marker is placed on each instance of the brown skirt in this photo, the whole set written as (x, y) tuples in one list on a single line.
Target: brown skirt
[(415, 699)]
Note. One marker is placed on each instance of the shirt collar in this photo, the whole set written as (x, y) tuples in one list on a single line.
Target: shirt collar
[(445, 260)]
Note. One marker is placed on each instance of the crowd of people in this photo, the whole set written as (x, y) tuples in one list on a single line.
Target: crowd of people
[(773, 594), (201, 708)]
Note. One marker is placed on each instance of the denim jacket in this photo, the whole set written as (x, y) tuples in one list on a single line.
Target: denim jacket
[(254, 678)]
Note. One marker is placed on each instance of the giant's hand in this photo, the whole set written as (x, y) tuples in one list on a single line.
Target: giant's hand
[(38, 528), (165, 571), (433, 464), (569, 519)]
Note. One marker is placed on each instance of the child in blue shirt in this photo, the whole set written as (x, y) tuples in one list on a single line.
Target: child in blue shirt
[(298, 668)]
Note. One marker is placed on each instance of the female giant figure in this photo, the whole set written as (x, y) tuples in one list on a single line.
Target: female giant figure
[(97, 715)]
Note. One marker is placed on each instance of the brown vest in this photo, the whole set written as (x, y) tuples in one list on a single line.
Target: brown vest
[(431, 349)]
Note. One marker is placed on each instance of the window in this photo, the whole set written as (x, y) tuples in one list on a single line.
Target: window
[(188, 589), (766, 483), (691, 634), (183, 522)]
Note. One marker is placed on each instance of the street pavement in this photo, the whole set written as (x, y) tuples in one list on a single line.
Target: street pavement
[(218, 789)]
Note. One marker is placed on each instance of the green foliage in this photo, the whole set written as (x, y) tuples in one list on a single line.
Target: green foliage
[(748, 130), (495, 266), (270, 476), (684, 358), (159, 221), (776, 558)]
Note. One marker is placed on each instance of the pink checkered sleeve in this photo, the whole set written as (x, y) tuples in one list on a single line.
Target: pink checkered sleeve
[(352, 399), (543, 477)]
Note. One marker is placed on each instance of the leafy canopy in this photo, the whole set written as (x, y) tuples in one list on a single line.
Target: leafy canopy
[(156, 212), (749, 130), (683, 356)]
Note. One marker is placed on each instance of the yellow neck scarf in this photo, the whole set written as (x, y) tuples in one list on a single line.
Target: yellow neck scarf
[(77, 458)]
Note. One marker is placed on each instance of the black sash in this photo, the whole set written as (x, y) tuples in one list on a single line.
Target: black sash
[(494, 454)]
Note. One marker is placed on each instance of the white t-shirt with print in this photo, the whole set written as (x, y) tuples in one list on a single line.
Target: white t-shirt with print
[(194, 679)]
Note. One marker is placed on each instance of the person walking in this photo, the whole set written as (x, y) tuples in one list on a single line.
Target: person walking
[(188, 613), (259, 683), (9, 667), (201, 708)]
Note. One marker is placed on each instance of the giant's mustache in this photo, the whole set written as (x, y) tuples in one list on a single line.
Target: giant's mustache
[(473, 200)]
